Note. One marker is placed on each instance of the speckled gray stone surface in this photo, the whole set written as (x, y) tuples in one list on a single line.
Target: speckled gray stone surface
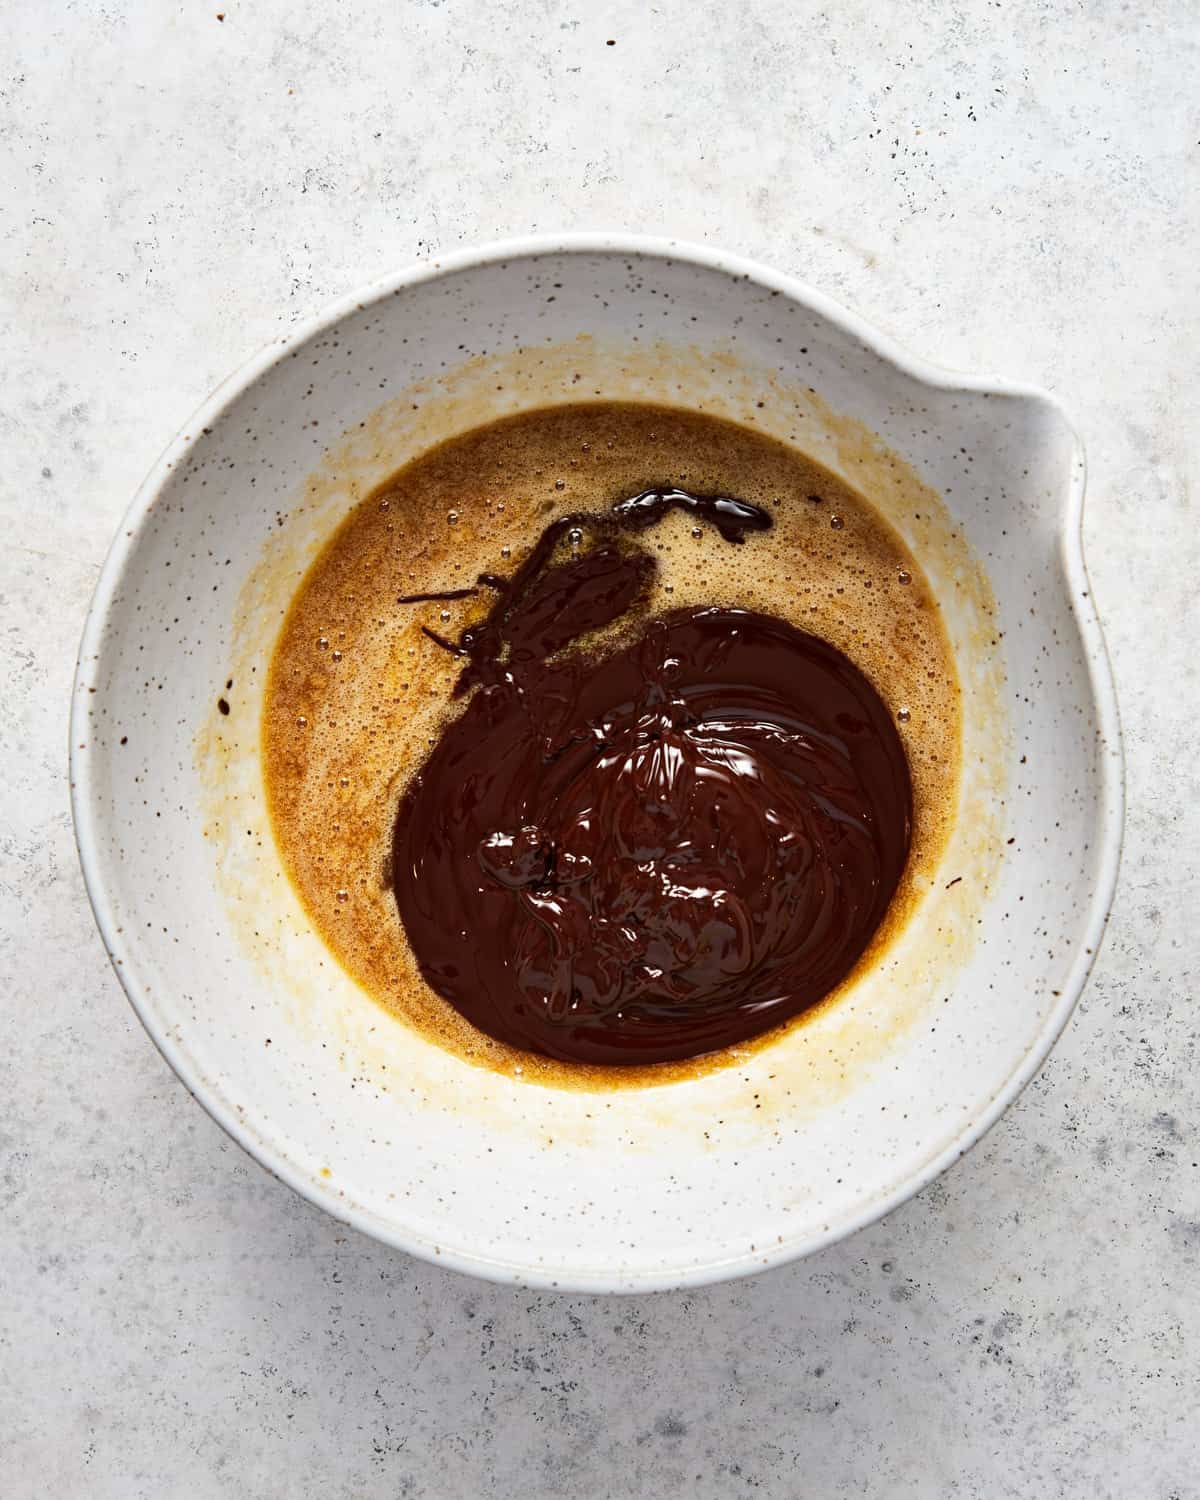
[(1004, 188)]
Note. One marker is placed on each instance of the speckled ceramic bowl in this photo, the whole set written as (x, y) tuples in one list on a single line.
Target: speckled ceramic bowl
[(792, 1145)]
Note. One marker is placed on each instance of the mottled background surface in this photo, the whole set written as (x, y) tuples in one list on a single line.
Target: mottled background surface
[(1011, 188)]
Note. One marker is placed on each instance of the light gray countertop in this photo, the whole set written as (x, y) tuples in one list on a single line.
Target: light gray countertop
[(1011, 189)]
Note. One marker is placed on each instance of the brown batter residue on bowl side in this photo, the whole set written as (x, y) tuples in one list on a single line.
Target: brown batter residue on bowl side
[(359, 691)]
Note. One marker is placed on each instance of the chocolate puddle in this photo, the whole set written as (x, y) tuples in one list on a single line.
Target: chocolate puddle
[(644, 850)]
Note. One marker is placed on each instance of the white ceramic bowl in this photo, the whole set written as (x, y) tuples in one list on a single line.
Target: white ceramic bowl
[(804, 1140)]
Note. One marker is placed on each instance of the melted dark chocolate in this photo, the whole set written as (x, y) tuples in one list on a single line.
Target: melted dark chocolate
[(653, 851)]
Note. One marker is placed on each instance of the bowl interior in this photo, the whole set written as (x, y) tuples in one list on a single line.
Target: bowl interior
[(807, 1138)]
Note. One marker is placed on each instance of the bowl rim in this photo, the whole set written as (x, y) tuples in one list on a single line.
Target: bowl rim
[(88, 819)]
